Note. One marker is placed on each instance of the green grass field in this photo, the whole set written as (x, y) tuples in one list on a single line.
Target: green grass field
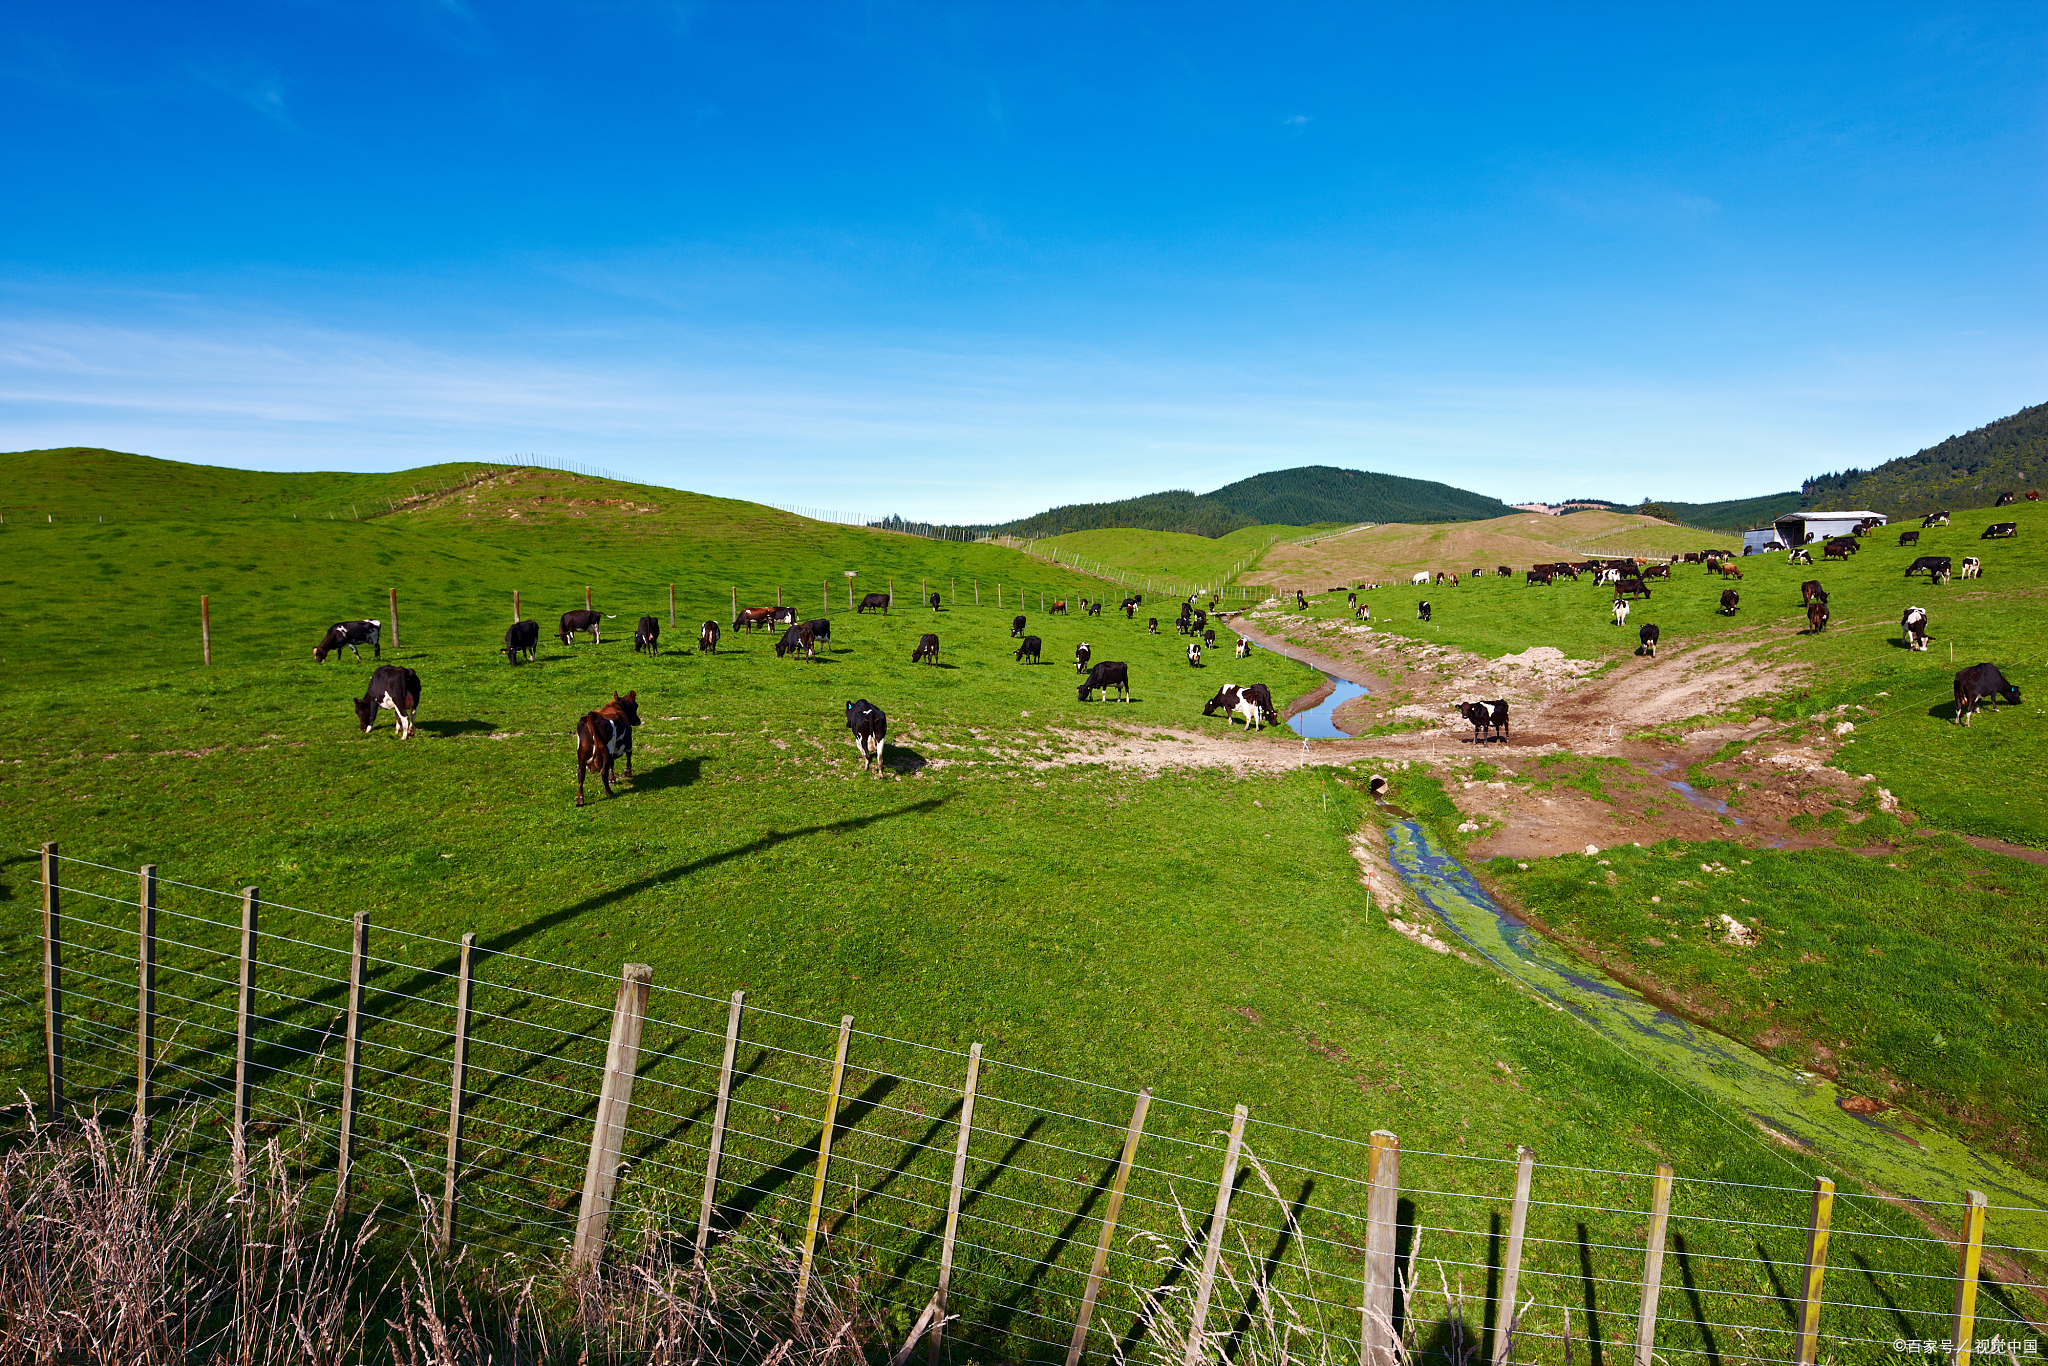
[(1199, 933), (1170, 555)]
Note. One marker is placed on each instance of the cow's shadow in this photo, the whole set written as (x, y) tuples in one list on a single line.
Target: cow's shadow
[(902, 760), (674, 773), (450, 729)]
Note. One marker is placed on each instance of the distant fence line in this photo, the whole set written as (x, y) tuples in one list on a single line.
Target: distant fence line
[(976, 1193)]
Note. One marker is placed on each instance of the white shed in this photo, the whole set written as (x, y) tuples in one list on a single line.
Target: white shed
[(1762, 539), (1805, 528)]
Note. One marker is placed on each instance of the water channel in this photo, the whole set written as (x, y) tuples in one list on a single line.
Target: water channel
[(1318, 723)]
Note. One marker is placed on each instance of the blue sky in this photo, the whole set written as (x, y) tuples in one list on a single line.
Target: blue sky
[(962, 261)]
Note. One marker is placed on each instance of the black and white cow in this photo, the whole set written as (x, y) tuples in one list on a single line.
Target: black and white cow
[(348, 635), (870, 727), (707, 638), (1244, 648), (1980, 684), (821, 630), (1646, 641), (393, 688), (1208, 640), (1252, 705), (647, 636), (1913, 628), (1016, 627), (1486, 717), (1422, 611), (782, 616), (935, 602), (1194, 655), (927, 649), (2005, 500), (797, 640), (1081, 658), (1259, 696), (1972, 567), (522, 637), (1031, 646), (605, 736), (1105, 676), (1998, 531), (1934, 519), (878, 602), (1937, 566), (1730, 600), (1152, 626), (1095, 608), (1621, 611), (582, 619)]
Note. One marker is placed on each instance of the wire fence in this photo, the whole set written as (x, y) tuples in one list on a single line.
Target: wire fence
[(1045, 1210)]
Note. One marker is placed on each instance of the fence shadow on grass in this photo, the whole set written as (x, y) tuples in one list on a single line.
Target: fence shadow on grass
[(730, 1214), (448, 730), (1692, 1299)]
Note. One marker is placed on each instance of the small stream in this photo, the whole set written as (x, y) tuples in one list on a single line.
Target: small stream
[(1318, 723)]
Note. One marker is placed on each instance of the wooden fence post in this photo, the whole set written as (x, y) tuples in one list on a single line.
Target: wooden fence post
[(953, 1205), (245, 1014), (394, 618), (586, 598), (1198, 1313), (710, 1205), (671, 607), (735, 602), (351, 1054), (1964, 1321), (1108, 1238), (824, 595), (803, 1276), (515, 604), (458, 1065), (145, 997), (608, 1126), (977, 592), (1504, 1312), (953, 592), (53, 981), (1653, 1265), (1382, 1212), (1817, 1226), (205, 630)]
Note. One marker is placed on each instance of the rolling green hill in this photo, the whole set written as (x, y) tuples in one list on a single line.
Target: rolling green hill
[(1964, 471), (1177, 510), (1736, 514), (1311, 495)]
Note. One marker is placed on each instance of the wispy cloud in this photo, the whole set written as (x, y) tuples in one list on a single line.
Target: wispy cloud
[(254, 84)]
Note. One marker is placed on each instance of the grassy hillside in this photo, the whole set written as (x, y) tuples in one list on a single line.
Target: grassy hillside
[(1967, 471), (88, 483), (1737, 514), (1321, 493), (1179, 511), (1169, 555), (1198, 932)]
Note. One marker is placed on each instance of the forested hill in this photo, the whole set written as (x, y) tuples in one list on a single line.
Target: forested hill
[(1964, 471), (1306, 496)]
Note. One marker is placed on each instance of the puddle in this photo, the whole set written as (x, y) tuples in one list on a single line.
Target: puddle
[(1316, 722)]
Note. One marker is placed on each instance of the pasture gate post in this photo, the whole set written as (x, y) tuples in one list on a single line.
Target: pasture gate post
[(145, 997), (1816, 1267), (1964, 1321), (1198, 1313), (53, 982), (1109, 1217), (1382, 1210), (205, 630), (710, 1205), (351, 1054), (245, 1014), (671, 607), (1653, 1265), (459, 1064), (1504, 1314), (608, 1125), (803, 1276), (394, 618), (953, 1205)]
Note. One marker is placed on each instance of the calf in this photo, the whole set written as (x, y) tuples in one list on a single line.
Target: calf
[(1972, 567), (1935, 565), (707, 638), (1998, 531), (1621, 611), (393, 688), (927, 649), (348, 635), (1244, 648), (874, 602), (1422, 611), (1913, 628), (1646, 641), (1031, 646), (1152, 626), (1980, 684), (1817, 617), (1016, 627), (647, 636), (1194, 656), (605, 736), (1730, 600), (797, 640), (522, 637), (1909, 538), (1933, 519), (751, 618), (870, 727), (1081, 658), (1811, 591), (1105, 676), (582, 619)]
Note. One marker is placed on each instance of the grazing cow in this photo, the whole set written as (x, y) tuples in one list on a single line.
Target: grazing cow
[(647, 636), (1422, 611), (1504, 571), (1935, 565), (927, 649), (1998, 531), (1811, 591), (603, 737), (1816, 617), (1059, 607), (1152, 626), (878, 602), (1421, 577), (1909, 538), (1016, 627), (1194, 655), (1731, 570), (1081, 658), (751, 618), (707, 638), (1621, 611), (1352, 600), (1646, 640), (1933, 519), (1979, 684), (1224, 700), (1799, 557), (1105, 676), (1209, 640), (393, 688), (2033, 495), (1365, 613), (1259, 696), (1095, 609), (821, 630), (797, 640), (1657, 571), (1840, 549), (2005, 500), (1631, 588), (1253, 705), (1130, 611), (522, 637), (935, 602), (582, 619), (782, 616), (1913, 628), (1302, 602), (348, 635), (1538, 575), (1244, 648), (1031, 646), (1199, 623), (1730, 600), (870, 727), (1972, 567)]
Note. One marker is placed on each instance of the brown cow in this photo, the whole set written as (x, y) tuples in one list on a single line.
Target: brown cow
[(604, 736), (1817, 617)]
